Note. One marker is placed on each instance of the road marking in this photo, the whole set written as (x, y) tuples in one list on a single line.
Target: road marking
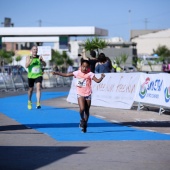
[(150, 130), (115, 121), (100, 116)]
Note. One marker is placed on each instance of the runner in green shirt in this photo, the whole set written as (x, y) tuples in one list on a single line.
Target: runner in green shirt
[(34, 64)]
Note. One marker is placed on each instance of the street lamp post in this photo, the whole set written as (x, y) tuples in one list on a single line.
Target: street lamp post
[(129, 24)]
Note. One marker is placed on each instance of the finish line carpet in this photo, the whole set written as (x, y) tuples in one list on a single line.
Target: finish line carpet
[(62, 124)]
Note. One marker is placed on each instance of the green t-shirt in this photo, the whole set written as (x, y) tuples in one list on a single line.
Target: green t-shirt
[(35, 68)]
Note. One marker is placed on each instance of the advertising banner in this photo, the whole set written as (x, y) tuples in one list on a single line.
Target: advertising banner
[(150, 89), (166, 90), (117, 90), (45, 52)]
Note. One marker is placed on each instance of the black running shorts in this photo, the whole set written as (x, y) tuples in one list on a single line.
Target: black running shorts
[(36, 80)]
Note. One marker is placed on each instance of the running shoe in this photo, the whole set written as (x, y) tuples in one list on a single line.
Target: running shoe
[(29, 105), (84, 128), (38, 106), (81, 124)]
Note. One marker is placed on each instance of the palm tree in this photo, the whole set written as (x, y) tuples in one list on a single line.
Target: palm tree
[(94, 44), (124, 58), (67, 60), (118, 60), (61, 59), (150, 65), (56, 58), (163, 52), (139, 64)]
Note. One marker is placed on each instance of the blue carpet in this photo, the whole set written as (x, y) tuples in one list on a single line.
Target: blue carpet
[(62, 124)]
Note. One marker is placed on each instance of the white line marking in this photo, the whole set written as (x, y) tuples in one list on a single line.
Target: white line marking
[(115, 121), (150, 130), (100, 116)]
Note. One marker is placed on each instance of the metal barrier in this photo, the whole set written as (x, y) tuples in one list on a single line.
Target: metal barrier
[(50, 80), (13, 82), (17, 82)]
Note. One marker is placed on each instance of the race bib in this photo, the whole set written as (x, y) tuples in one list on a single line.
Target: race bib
[(35, 70), (81, 82)]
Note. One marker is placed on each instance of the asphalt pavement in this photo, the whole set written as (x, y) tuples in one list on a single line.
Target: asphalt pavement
[(49, 138)]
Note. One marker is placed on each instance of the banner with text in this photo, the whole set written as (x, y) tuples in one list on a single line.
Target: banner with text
[(154, 89), (117, 90), (166, 90), (45, 52)]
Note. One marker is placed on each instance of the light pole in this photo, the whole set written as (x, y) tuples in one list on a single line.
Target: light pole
[(129, 24), (146, 22)]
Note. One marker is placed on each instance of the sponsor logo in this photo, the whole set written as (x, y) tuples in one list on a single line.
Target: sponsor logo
[(143, 88), (167, 94)]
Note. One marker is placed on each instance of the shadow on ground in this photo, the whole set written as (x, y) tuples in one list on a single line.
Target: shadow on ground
[(34, 157)]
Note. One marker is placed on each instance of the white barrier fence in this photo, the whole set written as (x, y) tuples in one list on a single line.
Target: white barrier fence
[(13, 82), (18, 82), (122, 90)]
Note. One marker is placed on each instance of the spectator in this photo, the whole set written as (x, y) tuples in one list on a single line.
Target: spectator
[(103, 64), (79, 60), (70, 69), (55, 68), (92, 60)]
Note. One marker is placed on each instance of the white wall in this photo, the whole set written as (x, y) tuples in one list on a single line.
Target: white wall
[(146, 43)]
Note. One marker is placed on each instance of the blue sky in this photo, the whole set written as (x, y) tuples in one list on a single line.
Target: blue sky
[(112, 15)]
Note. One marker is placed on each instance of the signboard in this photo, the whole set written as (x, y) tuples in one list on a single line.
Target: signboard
[(121, 90), (154, 89), (117, 90), (150, 89), (45, 52)]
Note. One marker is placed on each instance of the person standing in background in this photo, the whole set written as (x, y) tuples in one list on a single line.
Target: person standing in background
[(34, 64), (70, 69), (103, 64), (93, 60)]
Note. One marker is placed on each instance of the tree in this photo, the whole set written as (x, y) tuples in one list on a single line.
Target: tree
[(139, 64), (150, 65), (61, 59), (5, 57), (94, 44), (118, 60), (121, 59), (124, 58), (163, 52), (66, 59), (18, 58)]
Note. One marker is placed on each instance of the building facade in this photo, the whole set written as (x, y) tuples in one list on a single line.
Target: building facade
[(147, 41)]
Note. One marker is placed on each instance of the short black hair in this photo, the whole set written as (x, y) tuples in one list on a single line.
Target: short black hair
[(85, 61), (93, 53), (102, 57)]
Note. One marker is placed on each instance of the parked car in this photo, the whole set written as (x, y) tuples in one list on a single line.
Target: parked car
[(14, 69), (129, 69)]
